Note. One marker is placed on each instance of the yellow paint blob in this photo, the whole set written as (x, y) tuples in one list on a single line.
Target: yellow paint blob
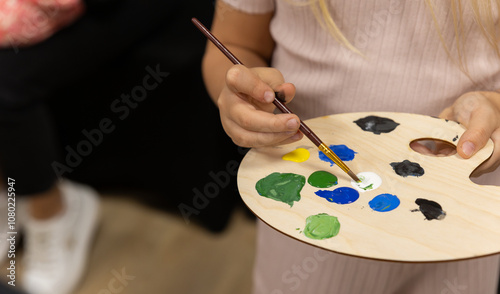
[(297, 155)]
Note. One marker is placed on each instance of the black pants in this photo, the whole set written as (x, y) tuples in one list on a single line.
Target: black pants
[(30, 76)]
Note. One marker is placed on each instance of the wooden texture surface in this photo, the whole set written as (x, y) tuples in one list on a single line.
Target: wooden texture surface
[(470, 229)]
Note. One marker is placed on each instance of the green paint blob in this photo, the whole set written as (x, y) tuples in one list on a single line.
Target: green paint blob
[(281, 187), (321, 226), (369, 187), (322, 179)]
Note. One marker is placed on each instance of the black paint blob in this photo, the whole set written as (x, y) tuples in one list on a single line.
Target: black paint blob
[(407, 168), (430, 209), (376, 124)]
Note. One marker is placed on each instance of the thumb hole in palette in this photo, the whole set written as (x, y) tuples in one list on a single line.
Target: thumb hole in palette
[(433, 147)]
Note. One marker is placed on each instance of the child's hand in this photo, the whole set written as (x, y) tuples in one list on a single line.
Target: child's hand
[(479, 112), (246, 108)]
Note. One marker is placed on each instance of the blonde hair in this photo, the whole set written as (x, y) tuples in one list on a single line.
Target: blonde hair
[(483, 16), (482, 11)]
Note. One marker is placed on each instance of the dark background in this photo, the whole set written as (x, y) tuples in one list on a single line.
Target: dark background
[(170, 142)]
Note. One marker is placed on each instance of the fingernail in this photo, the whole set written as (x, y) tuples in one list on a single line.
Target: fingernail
[(292, 124), (468, 148), (269, 96)]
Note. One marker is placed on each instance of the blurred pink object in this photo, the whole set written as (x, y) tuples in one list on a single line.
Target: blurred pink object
[(27, 22)]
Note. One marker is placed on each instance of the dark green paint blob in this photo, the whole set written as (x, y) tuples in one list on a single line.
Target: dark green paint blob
[(322, 179), (281, 187), (321, 226)]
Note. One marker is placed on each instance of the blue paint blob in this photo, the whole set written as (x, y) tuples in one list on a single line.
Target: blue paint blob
[(342, 151), (342, 195), (384, 202)]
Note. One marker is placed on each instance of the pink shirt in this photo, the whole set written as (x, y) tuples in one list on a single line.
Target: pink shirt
[(406, 68)]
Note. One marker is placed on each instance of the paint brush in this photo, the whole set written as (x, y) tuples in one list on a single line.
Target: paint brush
[(279, 103)]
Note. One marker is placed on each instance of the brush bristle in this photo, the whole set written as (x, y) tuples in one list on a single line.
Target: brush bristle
[(354, 177)]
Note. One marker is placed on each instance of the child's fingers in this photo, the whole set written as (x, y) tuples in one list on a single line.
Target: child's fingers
[(244, 82), (480, 115), (286, 91), (246, 107), (246, 138), (494, 161), (480, 127), (447, 113), (250, 127), (261, 121)]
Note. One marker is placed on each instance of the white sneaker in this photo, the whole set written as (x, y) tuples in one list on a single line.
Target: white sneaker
[(57, 249)]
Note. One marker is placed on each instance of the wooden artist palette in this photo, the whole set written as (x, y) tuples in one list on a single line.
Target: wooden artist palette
[(468, 227)]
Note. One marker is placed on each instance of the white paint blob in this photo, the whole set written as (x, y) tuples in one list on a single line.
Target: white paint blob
[(369, 181)]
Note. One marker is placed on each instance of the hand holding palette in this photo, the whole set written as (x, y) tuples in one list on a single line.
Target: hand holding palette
[(408, 206)]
